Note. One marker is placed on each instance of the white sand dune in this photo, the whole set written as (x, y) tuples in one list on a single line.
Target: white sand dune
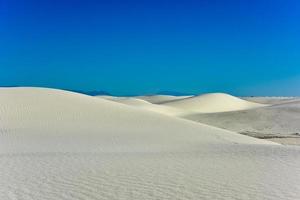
[(62, 145), (145, 105), (132, 101), (159, 99), (279, 119), (212, 103), (187, 105), (46, 114)]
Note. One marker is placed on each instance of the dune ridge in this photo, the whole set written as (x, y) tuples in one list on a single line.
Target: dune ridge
[(159, 99), (186, 105), (146, 105), (212, 103)]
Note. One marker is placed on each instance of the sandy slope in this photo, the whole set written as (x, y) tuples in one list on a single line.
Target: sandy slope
[(211, 103), (129, 101), (62, 145), (280, 119), (145, 105), (158, 99)]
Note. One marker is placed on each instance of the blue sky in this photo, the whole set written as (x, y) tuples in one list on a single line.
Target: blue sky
[(246, 47)]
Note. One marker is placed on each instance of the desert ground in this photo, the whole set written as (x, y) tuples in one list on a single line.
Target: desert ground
[(57, 144)]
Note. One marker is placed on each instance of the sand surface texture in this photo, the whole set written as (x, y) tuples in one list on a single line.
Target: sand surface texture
[(281, 119), (62, 145)]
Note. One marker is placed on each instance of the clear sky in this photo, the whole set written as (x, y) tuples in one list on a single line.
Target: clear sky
[(243, 47)]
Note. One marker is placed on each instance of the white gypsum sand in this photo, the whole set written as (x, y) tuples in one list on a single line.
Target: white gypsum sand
[(187, 105), (145, 105), (62, 145), (212, 103), (277, 120), (48, 115), (159, 99)]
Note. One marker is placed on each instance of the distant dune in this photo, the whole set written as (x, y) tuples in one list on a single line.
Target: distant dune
[(187, 105), (212, 103), (159, 99), (279, 119), (145, 105), (127, 100)]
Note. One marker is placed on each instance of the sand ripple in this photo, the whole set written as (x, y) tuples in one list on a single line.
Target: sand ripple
[(227, 173)]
